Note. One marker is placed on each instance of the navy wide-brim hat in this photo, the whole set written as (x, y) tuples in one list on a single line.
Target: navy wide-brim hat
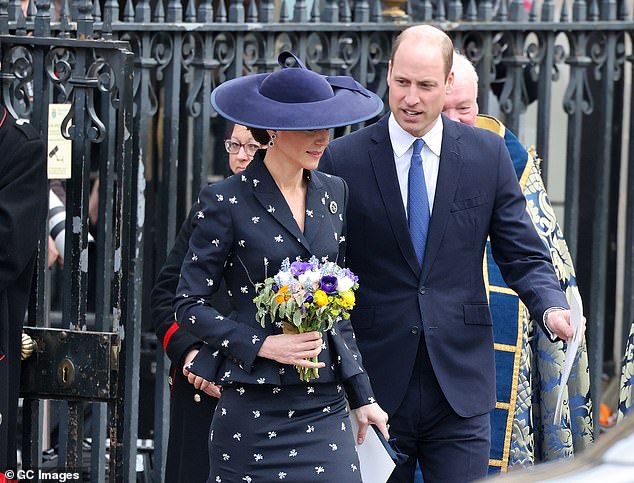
[(294, 99)]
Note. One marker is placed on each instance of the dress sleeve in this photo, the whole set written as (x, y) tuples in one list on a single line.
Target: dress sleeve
[(203, 269)]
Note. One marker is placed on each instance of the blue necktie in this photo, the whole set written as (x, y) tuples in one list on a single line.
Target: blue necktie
[(417, 202)]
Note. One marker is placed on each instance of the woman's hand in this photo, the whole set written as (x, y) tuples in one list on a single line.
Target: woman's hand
[(293, 348), (198, 382), (371, 414)]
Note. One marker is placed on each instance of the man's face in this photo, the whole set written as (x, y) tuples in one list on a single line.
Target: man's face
[(460, 102), (416, 78)]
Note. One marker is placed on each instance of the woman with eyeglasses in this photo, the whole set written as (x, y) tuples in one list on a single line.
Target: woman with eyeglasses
[(192, 399)]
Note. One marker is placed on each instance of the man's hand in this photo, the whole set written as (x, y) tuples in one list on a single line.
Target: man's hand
[(197, 381), (559, 323), (370, 414)]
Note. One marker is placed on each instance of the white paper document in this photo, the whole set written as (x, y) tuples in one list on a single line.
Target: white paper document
[(576, 322), (374, 460)]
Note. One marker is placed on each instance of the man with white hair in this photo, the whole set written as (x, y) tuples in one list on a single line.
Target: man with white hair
[(516, 380)]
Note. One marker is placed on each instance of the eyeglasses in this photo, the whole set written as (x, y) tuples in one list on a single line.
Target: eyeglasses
[(233, 147)]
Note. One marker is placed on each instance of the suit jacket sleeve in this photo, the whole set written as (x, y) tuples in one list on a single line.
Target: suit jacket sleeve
[(523, 258), (201, 273), (23, 198), (176, 341)]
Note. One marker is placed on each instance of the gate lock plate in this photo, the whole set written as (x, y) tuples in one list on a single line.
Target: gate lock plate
[(70, 364)]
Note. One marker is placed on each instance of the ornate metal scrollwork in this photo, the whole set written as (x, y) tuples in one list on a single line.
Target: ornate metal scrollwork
[(578, 95), (224, 50), (59, 68), (379, 51), (17, 77)]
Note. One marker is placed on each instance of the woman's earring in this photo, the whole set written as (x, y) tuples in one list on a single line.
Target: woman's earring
[(272, 139)]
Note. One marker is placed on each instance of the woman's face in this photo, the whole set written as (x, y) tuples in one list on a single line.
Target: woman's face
[(302, 148), (240, 160)]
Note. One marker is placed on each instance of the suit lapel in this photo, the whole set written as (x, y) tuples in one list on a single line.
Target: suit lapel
[(269, 196), (382, 157), (448, 176)]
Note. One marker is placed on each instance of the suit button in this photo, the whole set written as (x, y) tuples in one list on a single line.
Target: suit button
[(422, 290), (197, 397), (414, 330)]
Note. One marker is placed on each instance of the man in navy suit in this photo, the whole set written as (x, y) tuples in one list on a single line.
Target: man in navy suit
[(422, 319)]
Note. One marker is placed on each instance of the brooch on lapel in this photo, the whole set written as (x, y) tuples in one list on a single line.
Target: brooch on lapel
[(333, 207)]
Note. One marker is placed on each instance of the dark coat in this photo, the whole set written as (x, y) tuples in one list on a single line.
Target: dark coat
[(242, 233), (23, 203), (477, 195)]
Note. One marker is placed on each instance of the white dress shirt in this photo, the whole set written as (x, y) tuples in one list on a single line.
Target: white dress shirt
[(402, 145)]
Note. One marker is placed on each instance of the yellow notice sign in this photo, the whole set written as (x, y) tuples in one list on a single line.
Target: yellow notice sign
[(60, 149)]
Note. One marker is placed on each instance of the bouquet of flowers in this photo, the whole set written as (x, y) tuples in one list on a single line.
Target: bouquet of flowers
[(304, 297)]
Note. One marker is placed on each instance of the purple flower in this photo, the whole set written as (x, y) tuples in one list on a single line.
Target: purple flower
[(328, 284), (309, 298), (348, 273), (297, 268)]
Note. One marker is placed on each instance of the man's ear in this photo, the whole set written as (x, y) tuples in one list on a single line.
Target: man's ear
[(449, 83)]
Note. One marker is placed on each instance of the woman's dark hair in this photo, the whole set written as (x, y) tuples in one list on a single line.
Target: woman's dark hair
[(260, 135), (229, 129)]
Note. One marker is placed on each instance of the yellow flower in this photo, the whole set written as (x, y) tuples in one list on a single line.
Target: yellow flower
[(279, 299), (320, 298), (348, 299)]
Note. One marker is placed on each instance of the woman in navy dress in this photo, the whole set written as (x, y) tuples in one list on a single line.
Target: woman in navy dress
[(269, 425)]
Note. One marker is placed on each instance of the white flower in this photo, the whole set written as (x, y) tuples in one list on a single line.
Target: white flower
[(254, 339), (310, 429), (233, 200), (272, 434), (257, 456), (282, 475), (225, 343), (344, 283), (255, 219), (210, 282), (310, 279), (220, 197), (237, 436), (292, 453), (215, 242), (200, 214), (290, 413), (319, 469), (333, 446), (256, 414), (225, 457)]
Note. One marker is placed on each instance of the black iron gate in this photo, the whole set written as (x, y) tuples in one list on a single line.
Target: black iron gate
[(82, 362)]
